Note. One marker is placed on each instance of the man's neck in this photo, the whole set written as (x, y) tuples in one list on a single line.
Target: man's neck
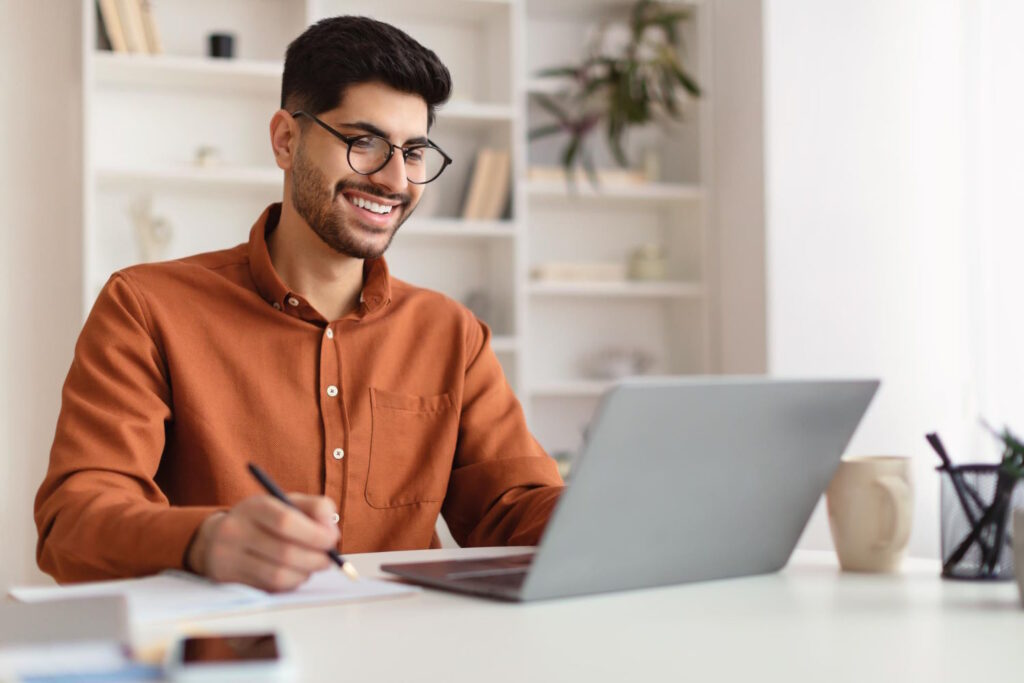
[(329, 281)]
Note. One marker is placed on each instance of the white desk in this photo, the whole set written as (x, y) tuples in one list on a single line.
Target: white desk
[(808, 623)]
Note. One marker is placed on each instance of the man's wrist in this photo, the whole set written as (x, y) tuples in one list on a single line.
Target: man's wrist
[(195, 556)]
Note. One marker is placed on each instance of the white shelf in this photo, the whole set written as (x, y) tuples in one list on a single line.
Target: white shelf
[(241, 75), (191, 176), (161, 71), (581, 388), (457, 227), (627, 289), (661, 193)]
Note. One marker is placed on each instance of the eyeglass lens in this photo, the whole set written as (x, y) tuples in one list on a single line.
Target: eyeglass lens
[(370, 153)]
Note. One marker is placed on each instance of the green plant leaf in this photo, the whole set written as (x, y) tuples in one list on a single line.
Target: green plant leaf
[(549, 105), (544, 131)]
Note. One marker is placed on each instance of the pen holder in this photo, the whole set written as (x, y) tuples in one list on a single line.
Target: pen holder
[(977, 505)]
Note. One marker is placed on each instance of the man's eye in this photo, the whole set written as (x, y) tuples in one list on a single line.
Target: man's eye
[(414, 155), (363, 144)]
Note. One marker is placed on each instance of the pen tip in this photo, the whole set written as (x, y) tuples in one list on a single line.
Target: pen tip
[(350, 571)]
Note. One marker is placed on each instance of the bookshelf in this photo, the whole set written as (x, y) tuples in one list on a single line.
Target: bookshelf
[(145, 117)]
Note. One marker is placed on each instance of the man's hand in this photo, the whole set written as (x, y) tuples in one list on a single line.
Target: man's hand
[(264, 543)]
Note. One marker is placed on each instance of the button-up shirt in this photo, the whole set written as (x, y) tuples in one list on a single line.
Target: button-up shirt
[(187, 370)]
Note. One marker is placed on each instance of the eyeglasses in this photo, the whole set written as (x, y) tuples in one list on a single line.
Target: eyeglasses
[(368, 153)]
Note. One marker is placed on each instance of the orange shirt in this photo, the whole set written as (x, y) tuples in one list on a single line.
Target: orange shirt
[(187, 370)]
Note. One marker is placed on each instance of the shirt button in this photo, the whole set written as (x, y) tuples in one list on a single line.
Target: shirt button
[(335, 518), (277, 306), (339, 453), (330, 333), (332, 390), (292, 301)]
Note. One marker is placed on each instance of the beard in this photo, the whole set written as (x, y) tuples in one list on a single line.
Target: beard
[(315, 203)]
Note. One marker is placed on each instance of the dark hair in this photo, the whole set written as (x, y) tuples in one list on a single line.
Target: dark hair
[(337, 52)]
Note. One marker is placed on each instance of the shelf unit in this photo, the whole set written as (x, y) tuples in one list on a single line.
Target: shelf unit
[(145, 116)]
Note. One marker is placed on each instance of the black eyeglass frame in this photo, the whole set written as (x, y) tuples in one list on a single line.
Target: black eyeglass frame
[(349, 140)]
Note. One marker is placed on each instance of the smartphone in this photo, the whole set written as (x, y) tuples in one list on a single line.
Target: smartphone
[(229, 657)]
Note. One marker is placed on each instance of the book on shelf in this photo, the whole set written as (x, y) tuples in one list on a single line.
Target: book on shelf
[(153, 42), (488, 188), (111, 25), (131, 22)]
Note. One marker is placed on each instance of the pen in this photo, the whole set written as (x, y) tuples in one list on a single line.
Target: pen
[(272, 489)]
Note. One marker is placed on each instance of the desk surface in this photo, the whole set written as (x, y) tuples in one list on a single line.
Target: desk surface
[(808, 622)]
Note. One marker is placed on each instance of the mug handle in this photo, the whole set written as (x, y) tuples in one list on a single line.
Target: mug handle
[(897, 492)]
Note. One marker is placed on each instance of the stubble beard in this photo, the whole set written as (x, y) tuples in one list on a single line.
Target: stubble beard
[(316, 205)]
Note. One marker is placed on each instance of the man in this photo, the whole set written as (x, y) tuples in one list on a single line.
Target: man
[(379, 404)]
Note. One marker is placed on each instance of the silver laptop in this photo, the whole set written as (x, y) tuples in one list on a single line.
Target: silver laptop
[(679, 480)]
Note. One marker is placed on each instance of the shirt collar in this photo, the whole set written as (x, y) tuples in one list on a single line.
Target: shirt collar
[(376, 293)]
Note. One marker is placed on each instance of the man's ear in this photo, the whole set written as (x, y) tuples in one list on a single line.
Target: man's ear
[(284, 138)]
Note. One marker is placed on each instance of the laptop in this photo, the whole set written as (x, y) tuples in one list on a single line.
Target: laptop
[(679, 480)]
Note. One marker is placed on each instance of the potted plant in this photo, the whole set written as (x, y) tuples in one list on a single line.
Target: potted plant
[(640, 82)]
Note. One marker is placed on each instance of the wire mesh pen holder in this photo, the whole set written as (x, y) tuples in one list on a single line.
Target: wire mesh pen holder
[(977, 503)]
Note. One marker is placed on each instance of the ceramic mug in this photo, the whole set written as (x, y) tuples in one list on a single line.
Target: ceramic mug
[(870, 512)]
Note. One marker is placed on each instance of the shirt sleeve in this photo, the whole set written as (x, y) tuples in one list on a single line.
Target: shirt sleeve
[(99, 512), (503, 486)]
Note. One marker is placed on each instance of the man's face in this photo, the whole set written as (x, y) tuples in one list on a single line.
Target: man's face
[(325, 189)]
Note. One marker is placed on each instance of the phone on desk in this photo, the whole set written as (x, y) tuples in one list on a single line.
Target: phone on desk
[(229, 657)]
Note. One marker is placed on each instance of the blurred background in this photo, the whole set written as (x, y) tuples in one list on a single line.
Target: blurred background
[(809, 188)]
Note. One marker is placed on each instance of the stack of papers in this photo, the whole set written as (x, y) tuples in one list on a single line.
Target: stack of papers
[(177, 595)]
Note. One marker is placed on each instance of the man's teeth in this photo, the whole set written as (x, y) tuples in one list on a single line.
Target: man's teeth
[(371, 206)]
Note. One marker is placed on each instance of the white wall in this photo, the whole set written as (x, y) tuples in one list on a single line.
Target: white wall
[(995, 215), (40, 317), (865, 147)]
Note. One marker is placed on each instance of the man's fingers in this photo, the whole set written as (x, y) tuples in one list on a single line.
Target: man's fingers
[(278, 519), (320, 508), (270, 576), (273, 549)]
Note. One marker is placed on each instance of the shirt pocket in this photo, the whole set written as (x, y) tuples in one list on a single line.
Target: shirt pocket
[(412, 445)]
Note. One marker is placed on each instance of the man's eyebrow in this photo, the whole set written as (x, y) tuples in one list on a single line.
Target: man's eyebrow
[(370, 128)]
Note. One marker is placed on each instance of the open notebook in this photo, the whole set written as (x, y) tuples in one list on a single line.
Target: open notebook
[(176, 595)]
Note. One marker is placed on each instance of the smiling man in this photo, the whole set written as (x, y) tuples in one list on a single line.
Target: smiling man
[(378, 404)]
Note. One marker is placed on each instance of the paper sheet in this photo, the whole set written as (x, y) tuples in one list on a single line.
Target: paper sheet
[(175, 595)]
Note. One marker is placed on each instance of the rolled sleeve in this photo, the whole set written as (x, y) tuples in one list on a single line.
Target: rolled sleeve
[(99, 511), (503, 485)]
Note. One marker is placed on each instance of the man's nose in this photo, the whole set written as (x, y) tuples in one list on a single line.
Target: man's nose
[(393, 175)]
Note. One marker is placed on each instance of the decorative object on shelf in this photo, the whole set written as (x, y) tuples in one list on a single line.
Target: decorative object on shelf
[(221, 45), (652, 165), (638, 83), (488, 189), (977, 502), (579, 272), (152, 233), (616, 363), (480, 303), (207, 156), (648, 262), (870, 503)]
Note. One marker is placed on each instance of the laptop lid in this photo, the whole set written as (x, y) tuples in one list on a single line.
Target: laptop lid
[(685, 479)]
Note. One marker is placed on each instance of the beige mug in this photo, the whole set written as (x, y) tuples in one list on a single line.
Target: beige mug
[(870, 512)]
